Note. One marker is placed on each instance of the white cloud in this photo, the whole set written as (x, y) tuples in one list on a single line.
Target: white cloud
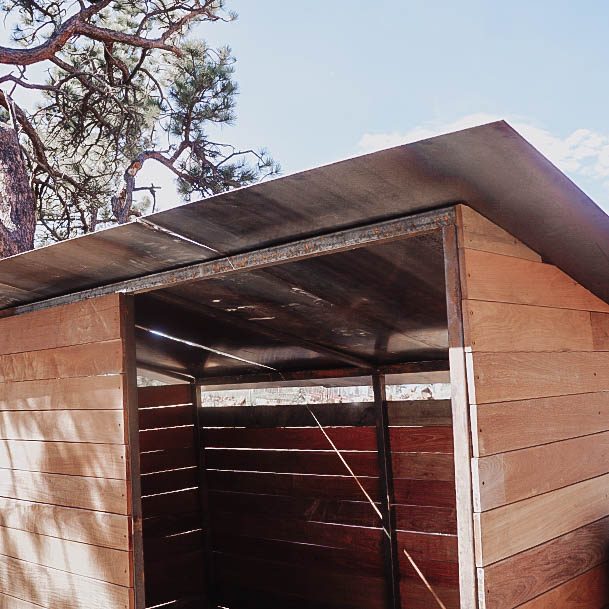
[(583, 154)]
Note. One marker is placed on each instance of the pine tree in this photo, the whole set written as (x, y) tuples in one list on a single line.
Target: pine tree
[(127, 84)]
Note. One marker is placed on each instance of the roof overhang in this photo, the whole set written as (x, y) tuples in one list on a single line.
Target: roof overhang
[(491, 168)]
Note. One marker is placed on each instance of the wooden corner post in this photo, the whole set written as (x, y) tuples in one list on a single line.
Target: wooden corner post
[(130, 411), (460, 418)]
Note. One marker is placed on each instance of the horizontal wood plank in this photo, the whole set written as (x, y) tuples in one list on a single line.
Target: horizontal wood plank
[(99, 494), (426, 519), (307, 509), (162, 460), (10, 602), (500, 377), (164, 395), (71, 458), (497, 327), (587, 591), (479, 233), (520, 578), (169, 438), (166, 416), (345, 438), (54, 588), (97, 528), (356, 414), (497, 278), (508, 426), (169, 504), (509, 477), (78, 393), (168, 481), (510, 529), (87, 426), (295, 461), (423, 466), (88, 321), (105, 564), (65, 362)]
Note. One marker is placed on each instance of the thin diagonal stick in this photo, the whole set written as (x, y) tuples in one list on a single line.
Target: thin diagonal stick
[(410, 559), (424, 579), (340, 456)]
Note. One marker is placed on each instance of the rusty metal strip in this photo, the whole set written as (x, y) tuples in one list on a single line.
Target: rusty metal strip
[(331, 243)]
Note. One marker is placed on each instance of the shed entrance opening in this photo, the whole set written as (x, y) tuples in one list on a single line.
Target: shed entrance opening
[(303, 439)]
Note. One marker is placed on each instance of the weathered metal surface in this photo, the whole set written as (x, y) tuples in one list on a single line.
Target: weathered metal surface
[(491, 167), (340, 241), (372, 306), (350, 376)]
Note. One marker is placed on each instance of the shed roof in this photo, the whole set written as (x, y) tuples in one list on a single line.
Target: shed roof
[(491, 167)]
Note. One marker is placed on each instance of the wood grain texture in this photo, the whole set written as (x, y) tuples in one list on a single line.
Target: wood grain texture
[(513, 425), (460, 404), (78, 393), (54, 588), (482, 234), (89, 321), (97, 494), (92, 426), (520, 578), (102, 460), (105, 564), (587, 591), (10, 602), (64, 362), (509, 477), (164, 395), (497, 278), (510, 529), (401, 413), (600, 330), (500, 377), (498, 327)]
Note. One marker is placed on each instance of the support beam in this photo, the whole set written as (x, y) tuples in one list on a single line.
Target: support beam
[(461, 421), (331, 243), (208, 566), (320, 375), (390, 541)]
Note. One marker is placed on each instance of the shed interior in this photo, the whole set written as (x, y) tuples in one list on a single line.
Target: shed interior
[(291, 494)]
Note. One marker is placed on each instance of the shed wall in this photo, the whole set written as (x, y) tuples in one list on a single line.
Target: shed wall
[(65, 500), (173, 522), (537, 354)]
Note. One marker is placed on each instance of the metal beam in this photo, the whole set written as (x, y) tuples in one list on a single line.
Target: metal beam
[(335, 373), (330, 243), (390, 542)]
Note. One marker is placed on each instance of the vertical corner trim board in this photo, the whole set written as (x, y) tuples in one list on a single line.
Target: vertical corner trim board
[(537, 357), (66, 538)]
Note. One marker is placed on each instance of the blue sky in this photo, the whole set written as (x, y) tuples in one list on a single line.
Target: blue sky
[(323, 80)]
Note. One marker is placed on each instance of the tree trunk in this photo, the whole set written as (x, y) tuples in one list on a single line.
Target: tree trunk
[(17, 203)]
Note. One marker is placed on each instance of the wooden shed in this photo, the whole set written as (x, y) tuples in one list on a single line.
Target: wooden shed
[(465, 259)]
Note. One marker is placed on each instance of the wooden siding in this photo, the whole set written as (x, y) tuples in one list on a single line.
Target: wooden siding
[(172, 517), (537, 357), (66, 504), (290, 526)]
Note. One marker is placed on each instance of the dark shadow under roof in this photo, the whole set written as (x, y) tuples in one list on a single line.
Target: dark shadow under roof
[(491, 168)]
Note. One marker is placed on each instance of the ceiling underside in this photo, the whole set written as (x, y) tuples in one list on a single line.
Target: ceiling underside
[(491, 167), (371, 306)]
